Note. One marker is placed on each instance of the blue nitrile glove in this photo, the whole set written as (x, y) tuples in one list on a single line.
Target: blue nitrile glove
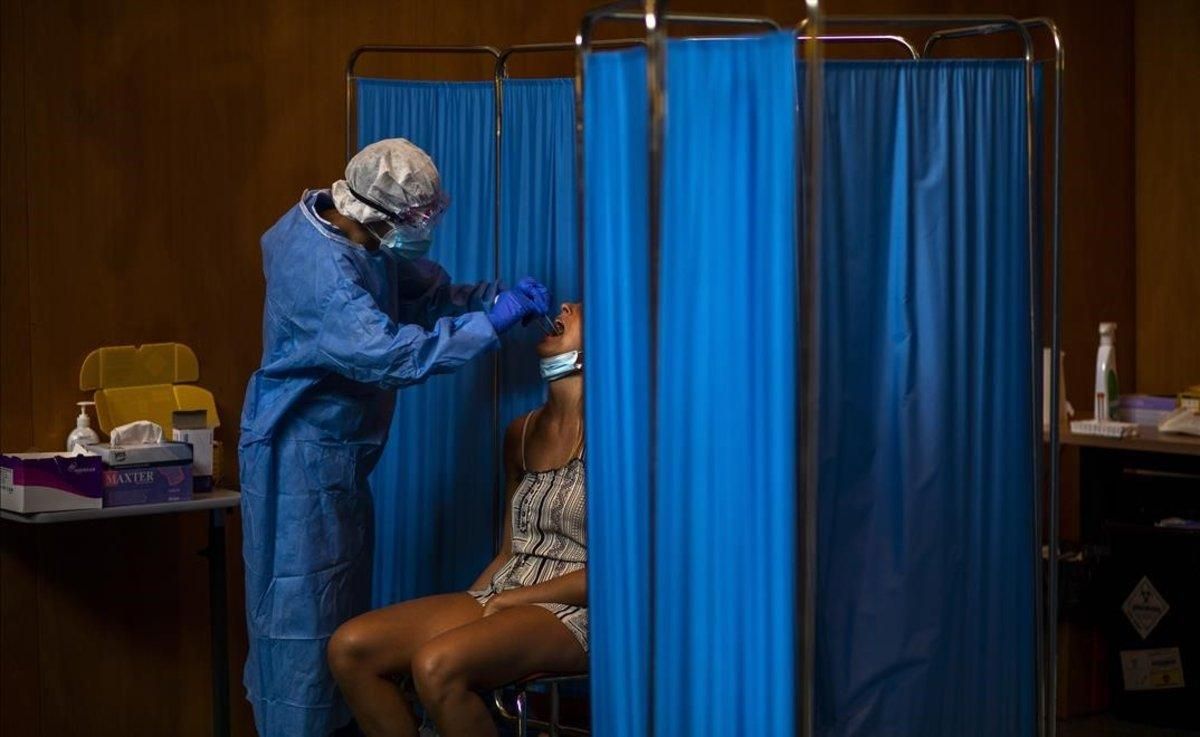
[(510, 308), (536, 292)]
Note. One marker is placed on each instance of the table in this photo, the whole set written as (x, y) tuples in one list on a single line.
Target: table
[(1112, 484), (1110, 467), (1148, 440), (216, 503)]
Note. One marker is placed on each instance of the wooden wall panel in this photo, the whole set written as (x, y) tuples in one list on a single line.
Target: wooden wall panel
[(146, 146), (1097, 188), (16, 417), (20, 697), (1168, 195)]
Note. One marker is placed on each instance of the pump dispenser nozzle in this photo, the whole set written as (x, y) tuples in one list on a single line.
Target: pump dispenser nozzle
[(83, 434)]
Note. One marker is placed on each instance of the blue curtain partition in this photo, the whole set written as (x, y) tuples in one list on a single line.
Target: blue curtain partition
[(433, 510), (538, 228), (692, 589), (925, 608), (617, 348)]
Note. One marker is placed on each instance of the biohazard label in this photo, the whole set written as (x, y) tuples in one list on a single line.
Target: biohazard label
[(1145, 607), (1150, 670)]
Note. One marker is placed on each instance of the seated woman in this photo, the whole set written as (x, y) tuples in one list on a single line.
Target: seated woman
[(527, 611)]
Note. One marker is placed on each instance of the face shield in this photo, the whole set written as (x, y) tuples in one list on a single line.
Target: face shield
[(413, 224)]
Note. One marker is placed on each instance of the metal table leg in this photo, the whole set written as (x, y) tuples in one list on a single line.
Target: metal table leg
[(217, 614)]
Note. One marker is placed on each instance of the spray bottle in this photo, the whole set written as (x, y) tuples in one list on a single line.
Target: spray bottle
[(1107, 394), (83, 434)]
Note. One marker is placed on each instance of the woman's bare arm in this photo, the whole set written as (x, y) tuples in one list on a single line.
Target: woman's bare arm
[(513, 471), (570, 588)]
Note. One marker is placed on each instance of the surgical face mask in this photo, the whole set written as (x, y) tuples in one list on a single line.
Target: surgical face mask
[(564, 364), (410, 249), (393, 243)]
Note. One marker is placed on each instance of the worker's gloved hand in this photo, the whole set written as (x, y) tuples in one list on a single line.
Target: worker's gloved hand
[(510, 308), (537, 294)]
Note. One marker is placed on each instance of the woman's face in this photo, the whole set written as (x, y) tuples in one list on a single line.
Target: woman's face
[(570, 319)]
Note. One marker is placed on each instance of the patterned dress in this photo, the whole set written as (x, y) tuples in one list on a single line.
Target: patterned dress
[(549, 536)]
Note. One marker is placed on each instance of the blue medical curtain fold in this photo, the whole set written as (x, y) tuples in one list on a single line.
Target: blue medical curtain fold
[(616, 348), (692, 596), (925, 609), (538, 229), (433, 512), (726, 493)]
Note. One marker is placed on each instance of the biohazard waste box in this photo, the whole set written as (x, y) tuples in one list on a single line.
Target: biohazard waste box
[(148, 382), (1154, 620)]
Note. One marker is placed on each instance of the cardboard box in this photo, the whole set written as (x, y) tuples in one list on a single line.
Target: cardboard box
[(1153, 606), (149, 382), (145, 474), (191, 426), (49, 482)]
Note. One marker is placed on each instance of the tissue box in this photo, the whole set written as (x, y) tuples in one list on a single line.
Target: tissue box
[(49, 482), (145, 474)]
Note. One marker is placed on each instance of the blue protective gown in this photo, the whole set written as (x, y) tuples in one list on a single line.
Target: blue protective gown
[(343, 327)]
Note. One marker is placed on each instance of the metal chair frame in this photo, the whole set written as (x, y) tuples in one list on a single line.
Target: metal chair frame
[(521, 716)]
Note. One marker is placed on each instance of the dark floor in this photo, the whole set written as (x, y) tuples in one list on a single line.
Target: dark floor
[(1106, 726), (1094, 726)]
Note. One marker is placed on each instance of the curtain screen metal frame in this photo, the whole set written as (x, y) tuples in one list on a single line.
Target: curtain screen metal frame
[(499, 73), (655, 19), (401, 49), (498, 122), (885, 38), (1047, 591)]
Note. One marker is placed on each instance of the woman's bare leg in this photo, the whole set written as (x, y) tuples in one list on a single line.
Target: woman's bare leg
[(493, 651), (367, 652)]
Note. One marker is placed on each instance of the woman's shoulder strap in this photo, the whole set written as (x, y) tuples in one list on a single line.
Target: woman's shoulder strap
[(524, 433)]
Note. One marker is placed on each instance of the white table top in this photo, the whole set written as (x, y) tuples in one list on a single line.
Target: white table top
[(216, 499)]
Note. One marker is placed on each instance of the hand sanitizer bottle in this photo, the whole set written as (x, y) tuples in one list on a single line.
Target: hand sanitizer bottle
[(83, 434), (1107, 394)]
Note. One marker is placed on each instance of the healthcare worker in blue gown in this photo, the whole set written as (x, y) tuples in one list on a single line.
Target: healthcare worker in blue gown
[(353, 311)]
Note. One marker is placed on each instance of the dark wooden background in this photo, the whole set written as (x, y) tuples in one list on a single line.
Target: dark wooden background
[(147, 145)]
